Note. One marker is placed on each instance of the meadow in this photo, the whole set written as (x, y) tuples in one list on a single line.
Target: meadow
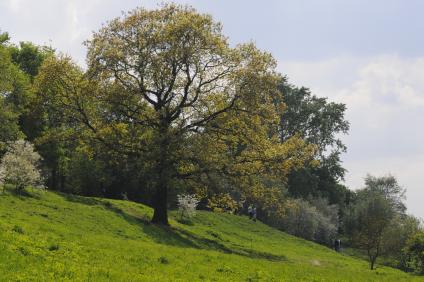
[(47, 236)]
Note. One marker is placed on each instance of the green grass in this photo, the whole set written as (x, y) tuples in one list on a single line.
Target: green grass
[(54, 237)]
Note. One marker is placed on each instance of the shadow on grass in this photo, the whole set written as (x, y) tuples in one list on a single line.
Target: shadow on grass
[(81, 200), (211, 244), (174, 236), (24, 194)]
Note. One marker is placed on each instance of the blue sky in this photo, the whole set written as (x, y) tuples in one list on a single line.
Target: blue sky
[(366, 54)]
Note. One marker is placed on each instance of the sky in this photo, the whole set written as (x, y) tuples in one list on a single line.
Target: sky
[(368, 55)]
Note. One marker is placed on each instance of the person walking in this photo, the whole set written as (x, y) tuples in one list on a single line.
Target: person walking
[(250, 211), (337, 245)]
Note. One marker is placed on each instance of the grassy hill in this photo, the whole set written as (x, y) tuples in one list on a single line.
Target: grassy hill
[(55, 237)]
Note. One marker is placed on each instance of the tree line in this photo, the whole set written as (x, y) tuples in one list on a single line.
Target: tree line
[(166, 106)]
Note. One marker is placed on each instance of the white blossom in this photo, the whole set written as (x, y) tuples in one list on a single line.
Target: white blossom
[(187, 205), (19, 166)]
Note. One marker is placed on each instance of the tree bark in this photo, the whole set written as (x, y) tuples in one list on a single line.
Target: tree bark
[(62, 182), (372, 258), (54, 179), (160, 200), (160, 205), (372, 263)]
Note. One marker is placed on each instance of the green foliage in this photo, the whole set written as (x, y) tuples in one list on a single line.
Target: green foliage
[(315, 223), (389, 188), (223, 203), (321, 123), (29, 57), (12, 83), (171, 93), (414, 252), (4, 37), (318, 121), (115, 242), (372, 213), (401, 228), (9, 128)]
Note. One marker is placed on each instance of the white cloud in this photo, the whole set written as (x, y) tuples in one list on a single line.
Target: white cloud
[(63, 24), (14, 5), (385, 100)]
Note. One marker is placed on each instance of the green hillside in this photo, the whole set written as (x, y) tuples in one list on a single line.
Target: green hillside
[(53, 237)]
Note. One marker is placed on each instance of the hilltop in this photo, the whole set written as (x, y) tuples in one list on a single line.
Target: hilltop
[(48, 236)]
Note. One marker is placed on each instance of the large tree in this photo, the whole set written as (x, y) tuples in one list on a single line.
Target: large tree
[(322, 123), (156, 80)]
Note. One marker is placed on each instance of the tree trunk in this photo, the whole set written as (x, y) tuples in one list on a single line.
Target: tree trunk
[(160, 200), (372, 263), (62, 182), (54, 179), (372, 258)]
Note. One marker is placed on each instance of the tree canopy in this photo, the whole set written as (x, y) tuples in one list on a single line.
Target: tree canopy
[(163, 84)]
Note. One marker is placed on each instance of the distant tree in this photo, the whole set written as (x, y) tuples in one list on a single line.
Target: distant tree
[(19, 166), (390, 189), (4, 37), (372, 214), (400, 230), (9, 128), (29, 57), (12, 82)]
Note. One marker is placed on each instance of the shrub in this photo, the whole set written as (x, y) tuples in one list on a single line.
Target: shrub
[(328, 219), (414, 252), (187, 205), (326, 230), (306, 221), (300, 220), (223, 203)]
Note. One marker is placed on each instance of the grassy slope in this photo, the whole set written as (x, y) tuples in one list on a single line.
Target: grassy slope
[(51, 237)]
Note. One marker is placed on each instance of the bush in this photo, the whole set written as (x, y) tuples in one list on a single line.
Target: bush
[(414, 253), (187, 205), (326, 230), (300, 220), (328, 219), (223, 203), (306, 221)]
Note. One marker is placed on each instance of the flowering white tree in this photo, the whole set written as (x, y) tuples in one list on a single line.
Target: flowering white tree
[(19, 166), (187, 205)]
